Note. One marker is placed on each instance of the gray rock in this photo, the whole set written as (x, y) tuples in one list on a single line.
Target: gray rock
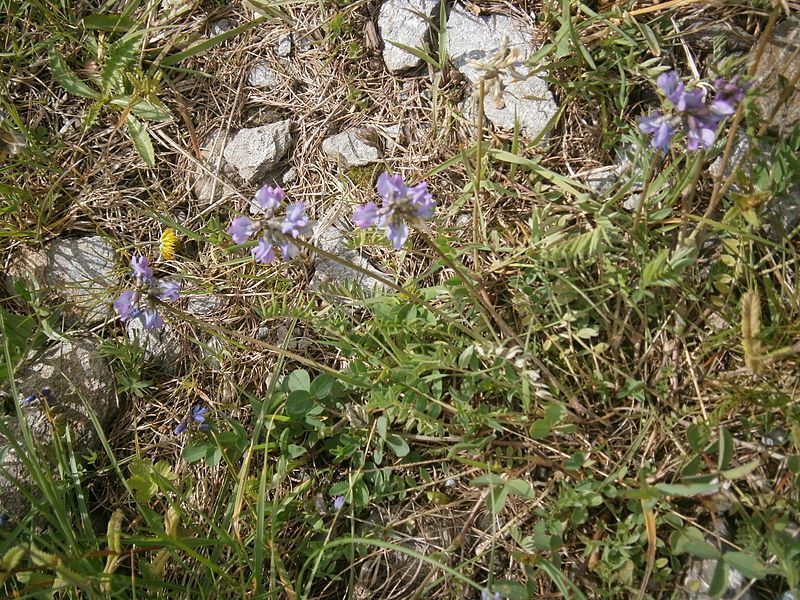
[(206, 187), (779, 64), (160, 346), (328, 272), (203, 306), (290, 176), (284, 46), (697, 580), (76, 271), (64, 387), (79, 270), (219, 27), (780, 215), (254, 152), (477, 38), (263, 76), (404, 22), (352, 148)]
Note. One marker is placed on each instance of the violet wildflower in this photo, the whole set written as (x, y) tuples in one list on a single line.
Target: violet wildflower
[(691, 112), (142, 301), (197, 416), (272, 231), (338, 502), (401, 205), (487, 595), (141, 268), (242, 229)]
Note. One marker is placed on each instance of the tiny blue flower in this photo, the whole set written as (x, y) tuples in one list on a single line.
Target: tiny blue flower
[(269, 199), (141, 268), (338, 502), (181, 428), (242, 229), (263, 252)]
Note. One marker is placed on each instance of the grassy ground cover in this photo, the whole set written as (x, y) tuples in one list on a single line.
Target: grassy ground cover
[(566, 391)]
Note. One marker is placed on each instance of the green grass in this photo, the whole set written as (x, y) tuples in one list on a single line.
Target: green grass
[(560, 406)]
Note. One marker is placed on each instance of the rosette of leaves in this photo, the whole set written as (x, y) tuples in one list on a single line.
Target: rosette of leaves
[(115, 78)]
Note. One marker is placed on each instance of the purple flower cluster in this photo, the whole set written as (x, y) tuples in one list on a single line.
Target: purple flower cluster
[(401, 205), (273, 231), (691, 112), (147, 292), (197, 416)]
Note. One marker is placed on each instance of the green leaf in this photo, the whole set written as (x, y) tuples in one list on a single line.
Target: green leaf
[(321, 386), (488, 479), (576, 461), (195, 451), (496, 499), (120, 58), (382, 426), (339, 488), (697, 436), (397, 444), (687, 489), (719, 581), (741, 470), (141, 140), (67, 79), (298, 404), (793, 463), (725, 452), (111, 22), (701, 549), (510, 589), (147, 109), (518, 487), (299, 380), (746, 564)]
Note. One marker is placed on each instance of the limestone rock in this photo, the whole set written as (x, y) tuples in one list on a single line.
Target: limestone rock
[(204, 306), (206, 187), (219, 27), (262, 75), (77, 271), (477, 38), (62, 387), (779, 64), (329, 272), (254, 152), (284, 46), (402, 21), (351, 149), (160, 346)]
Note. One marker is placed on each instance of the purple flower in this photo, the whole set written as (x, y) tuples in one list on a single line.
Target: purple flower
[(141, 268), (263, 251), (487, 595), (198, 415), (241, 229), (366, 216), (167, 290), (269, 199), (151, 319), (125, 305), (401, 204), (181, 428), (671, 86), (289, 250), (143, 300), (397, 233), (728, 95), (338, 502), (701, 132), (296, 222), (659, 126)]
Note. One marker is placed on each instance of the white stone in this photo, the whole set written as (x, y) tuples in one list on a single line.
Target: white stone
[(160, 346), (220, 27), (263, 76), (351, 149), (203, 306), (477, 38), (402, 21), (79, 271), (253, 152), (329, 272), (284, 46)]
